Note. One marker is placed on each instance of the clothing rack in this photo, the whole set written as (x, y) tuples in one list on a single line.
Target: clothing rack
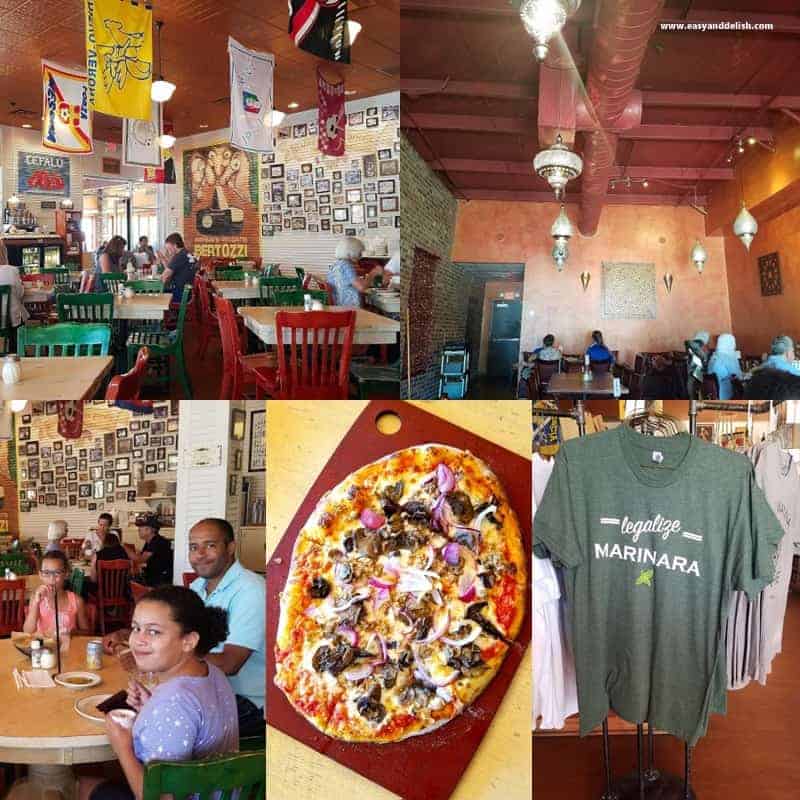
[(757, 407), (578, 413)]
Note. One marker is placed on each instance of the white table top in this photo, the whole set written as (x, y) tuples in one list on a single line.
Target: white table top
[(371, 328), (142, 306), (58, 378), (34, 295), (236, 290)]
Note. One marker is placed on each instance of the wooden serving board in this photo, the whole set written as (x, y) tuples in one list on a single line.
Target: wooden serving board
[(424, 767)]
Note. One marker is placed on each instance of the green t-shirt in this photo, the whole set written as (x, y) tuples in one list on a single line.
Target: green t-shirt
[(654, 534)]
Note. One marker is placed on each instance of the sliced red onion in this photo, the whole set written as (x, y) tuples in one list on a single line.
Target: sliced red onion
[(361, 594), (348, 633), (359, 673), (445, 680), (372, 520), (381, 659), (466, 587), (383, 582), (406, 620), (478, 520), (415, 580), (381, 597), (436, 596), (430, 557), (475, 632), (393, 567), (451, 553), (445, 479), (440, 625)]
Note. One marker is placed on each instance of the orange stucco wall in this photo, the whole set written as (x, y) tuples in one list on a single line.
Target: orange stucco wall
[(499, 231)]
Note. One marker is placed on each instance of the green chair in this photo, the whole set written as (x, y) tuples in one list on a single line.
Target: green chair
[(229, 274), (210, 777), (272, 271), (111, 281), (16, 562), (146, 286), (76, 581), (64, 339), (86, 307), (163, 344), (61, 279), (270, 288), (5, 317), (301, 274)]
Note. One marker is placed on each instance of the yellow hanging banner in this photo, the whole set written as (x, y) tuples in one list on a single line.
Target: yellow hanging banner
[(119, 57)]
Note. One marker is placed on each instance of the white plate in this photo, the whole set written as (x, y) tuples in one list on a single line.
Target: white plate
[(90, 679), (87, 707)]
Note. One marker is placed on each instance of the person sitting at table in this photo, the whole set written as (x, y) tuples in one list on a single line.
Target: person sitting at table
[(94, 539), (111, 550), (724, 363), (179, 265), (597, 351), (72, 616), (703, 337), (145, 248), (191, 712), (768, 383), (114, 258), (345, 285), (56, 531), (548, 351), (17, 313), (781, 356), (155, 560)]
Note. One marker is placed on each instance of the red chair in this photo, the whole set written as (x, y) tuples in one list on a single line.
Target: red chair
[(12, 605), (139, 590), (129, 385), (600, 366), (113, 601), (240, 372), (72, 547), (319, 345), (209, 324), (188, 577)]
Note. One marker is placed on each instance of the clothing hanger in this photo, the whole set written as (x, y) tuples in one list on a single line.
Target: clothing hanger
[(654, 422)]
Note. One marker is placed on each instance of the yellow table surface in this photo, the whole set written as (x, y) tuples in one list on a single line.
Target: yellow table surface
[(301, 437)]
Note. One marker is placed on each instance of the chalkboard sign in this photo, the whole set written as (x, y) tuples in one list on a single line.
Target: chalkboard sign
[(42, 173)]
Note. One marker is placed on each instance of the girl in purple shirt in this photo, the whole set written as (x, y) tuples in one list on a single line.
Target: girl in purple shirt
[(191, 714)]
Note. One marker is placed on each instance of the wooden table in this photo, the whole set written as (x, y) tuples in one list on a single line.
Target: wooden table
[(41, 727), (142, 306), (501, 768), (237, 290), (58, 378), (572, 384), (371, 328)]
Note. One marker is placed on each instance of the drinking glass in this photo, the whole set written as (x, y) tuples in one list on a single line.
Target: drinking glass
[(147, 678)]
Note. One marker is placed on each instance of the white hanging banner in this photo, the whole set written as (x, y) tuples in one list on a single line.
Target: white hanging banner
[(140, 139), (251, 98), (66, 118)]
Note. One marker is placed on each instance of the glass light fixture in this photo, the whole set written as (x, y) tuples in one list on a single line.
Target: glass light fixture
[(560, 255), (543, 19), (277, 118), (353, 29), (561, 231), (161, 90), (14, 200), (699, 256), (745, 226), (166, 140), (557, 165)]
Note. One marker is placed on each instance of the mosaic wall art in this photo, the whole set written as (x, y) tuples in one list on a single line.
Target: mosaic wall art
[(629, 290)]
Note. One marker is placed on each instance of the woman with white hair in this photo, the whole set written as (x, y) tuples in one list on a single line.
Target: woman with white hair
[(17, 313), (56, 531), (725, 365), (782, 355), (346, 286)]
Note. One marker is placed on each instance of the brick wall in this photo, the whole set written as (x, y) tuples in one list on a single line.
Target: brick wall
[(9, 512), (429, 214)]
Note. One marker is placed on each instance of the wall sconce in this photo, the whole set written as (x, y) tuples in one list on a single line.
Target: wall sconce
[(585, 278), (66, 203), (668, 279)]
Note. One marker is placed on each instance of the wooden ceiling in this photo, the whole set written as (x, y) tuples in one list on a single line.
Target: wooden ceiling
[(194, 42), (471, 107)]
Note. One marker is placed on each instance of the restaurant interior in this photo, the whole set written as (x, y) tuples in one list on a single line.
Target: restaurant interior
[(667, 208), (62, 466), (263, 226)]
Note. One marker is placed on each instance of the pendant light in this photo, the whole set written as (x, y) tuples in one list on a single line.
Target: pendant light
[(166, 140), (543, 19), (699, 256), (745, 226), (561, 231), (557, 165), (161, 90)]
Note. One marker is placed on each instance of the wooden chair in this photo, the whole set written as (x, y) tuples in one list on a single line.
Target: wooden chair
[(111, 281), (76, 581), (86, 307), (72, 547), (64, 339), (60, 277), (546, 370), (113, 601), (12, 605), (188, 577), (239, 370), (139, 590), (220, 774), (5, 318), (314, 349), (600, 366), (129, 385), (209, 324), (228, 274), (145, 286), (164, 344)]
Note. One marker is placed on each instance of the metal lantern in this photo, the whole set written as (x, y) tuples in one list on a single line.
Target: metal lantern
[(543, 19), (557, 165), (560, 254), (699, 256), (745, 226), (561, 231)]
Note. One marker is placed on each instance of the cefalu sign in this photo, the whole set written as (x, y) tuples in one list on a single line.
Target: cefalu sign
[(42, 173)]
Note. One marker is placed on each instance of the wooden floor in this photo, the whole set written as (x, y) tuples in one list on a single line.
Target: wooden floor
[(752, 753)]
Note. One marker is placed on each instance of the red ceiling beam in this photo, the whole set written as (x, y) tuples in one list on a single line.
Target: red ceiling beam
[(548, 197), (751, 102), (693, 133), (469, 122), (495, 90)]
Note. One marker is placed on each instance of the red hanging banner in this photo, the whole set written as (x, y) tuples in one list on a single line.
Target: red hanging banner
[(70, 418), (332, 119)]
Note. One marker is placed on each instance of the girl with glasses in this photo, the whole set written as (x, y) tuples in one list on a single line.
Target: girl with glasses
[(41, 617)]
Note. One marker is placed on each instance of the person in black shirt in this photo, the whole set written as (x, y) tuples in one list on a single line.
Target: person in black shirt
[(156, 554), (180, 265), (110, 551)]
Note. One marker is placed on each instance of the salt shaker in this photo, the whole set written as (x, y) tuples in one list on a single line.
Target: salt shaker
[(47, 658), (307, 302), (36, 654), (12, 371)]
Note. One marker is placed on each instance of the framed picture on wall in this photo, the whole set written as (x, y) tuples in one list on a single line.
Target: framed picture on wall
[(109, 486), (51, 406), (123, 464), (123, 479), (172, 425), (140, 439), (71, 463), (276, 171), (386, 187), (95, 473), (172, 462), (357, 214), (233, 482), (47, 477), (341, 215), (238, 422), (237, 459), (390, 168), (122, 433), (109, 444), (95, 455), (257, 461), (31, 448), (24, 434), (390, 204), (99, 491), (124, 446), (47, 451), (384, 154), (132, 496), (150, 469), (306, 169), (319, 172), (325, 224)]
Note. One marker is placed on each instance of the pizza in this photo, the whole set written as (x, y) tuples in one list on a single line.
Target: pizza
[(405, 591)]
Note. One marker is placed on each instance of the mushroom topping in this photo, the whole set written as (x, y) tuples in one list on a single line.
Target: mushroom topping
[(349, 543), (319, 588), (387, 674), (461, 506), (351, 615), (370, 707), (368, 543), (417, 511), (394, 492), (333, 658), (422, 627), (474, 612), (467, 539), (406, 659)]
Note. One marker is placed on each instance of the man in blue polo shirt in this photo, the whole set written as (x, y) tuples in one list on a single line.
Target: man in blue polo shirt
[(226, 584)]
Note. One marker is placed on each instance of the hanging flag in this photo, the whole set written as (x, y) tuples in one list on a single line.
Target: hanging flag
[(331, 116), (66, 118), (320, 27), (140, 140), (119, 57), (251, 98)]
